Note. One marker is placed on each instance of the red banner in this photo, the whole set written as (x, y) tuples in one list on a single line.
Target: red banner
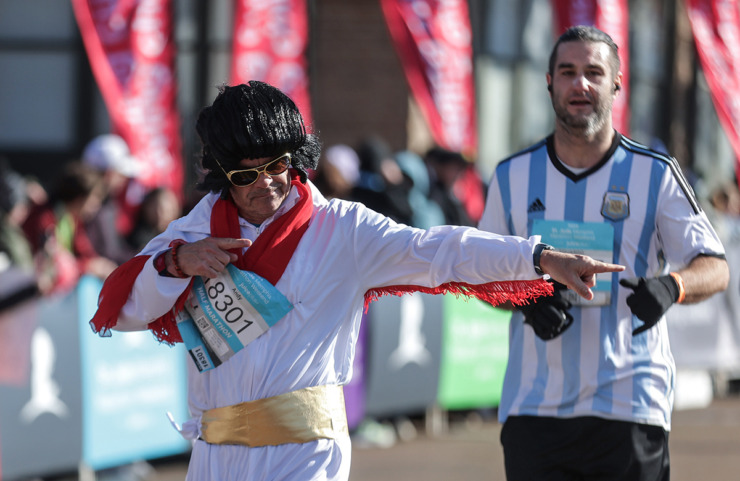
[(131, 51), (716, 28), (612, 17), (434, 41), (270, 43)]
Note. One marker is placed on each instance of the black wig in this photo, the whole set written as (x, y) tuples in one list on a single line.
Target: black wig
[(252, 121)]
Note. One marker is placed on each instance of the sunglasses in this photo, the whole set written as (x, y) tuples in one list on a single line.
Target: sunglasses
[(245, 177)]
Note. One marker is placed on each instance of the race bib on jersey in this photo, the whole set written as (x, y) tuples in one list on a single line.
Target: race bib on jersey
[(224, 314), (594, 239)]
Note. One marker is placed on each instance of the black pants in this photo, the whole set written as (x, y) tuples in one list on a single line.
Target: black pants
[(583, 448)]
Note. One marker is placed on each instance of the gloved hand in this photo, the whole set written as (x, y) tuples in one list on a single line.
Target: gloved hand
[(650, 299), (549, 316)]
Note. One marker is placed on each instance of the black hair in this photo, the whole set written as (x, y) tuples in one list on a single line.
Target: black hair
[(251, 121), (440, 155), (587, 33), (75, 182)]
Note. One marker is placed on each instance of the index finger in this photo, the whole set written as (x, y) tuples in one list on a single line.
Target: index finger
[(227, 243), (587, 278), (607, 267)]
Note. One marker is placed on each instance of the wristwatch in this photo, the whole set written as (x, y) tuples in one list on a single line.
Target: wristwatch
[(536, 257), (160, 265)]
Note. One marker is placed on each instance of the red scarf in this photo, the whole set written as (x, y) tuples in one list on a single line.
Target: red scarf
[(268, 257)]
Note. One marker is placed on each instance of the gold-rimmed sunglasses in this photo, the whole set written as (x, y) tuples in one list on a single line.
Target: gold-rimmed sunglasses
[(245, 177)]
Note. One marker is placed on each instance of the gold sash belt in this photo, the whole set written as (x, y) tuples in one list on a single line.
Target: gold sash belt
[(294, 417)]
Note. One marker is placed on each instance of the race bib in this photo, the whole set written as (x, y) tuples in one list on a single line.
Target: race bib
[(224, 314), (594, 239)]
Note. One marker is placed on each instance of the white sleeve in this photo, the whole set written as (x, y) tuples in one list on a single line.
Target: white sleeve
[(684, 229), (387, 253), (153, 295)]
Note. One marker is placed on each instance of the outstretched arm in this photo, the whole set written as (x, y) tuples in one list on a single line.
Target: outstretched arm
[(578, 272)]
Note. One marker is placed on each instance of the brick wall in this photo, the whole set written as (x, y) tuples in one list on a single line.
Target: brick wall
[(357, 83)]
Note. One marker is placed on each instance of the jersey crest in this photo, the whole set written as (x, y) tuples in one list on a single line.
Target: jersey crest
[(616, 206)]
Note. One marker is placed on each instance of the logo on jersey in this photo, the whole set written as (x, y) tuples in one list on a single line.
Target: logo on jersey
[(536, 206), (616, 206)]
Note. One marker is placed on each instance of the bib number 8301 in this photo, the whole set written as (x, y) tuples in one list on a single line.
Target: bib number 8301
[(224, 304)]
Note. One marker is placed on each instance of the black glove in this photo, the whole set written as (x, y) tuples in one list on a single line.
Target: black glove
[(549, 316), (652, 297)]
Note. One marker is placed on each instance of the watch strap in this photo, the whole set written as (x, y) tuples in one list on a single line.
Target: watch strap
[(536, 254)]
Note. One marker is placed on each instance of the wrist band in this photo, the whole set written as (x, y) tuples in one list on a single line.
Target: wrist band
[(175, 246), (679, 283), (160, 265)]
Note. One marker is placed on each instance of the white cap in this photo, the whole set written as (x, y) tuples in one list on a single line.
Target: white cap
[(344, 158), (110, 152)]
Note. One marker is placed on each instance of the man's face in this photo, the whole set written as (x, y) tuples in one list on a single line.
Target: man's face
[(583, 87), (258, 201)]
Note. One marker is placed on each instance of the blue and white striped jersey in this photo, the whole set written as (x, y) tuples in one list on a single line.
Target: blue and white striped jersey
[(597, 368)]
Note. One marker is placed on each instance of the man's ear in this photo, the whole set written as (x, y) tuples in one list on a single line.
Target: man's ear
[(618, 82)]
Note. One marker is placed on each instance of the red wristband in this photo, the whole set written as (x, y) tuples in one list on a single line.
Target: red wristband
[(176, 244), (160, 265)]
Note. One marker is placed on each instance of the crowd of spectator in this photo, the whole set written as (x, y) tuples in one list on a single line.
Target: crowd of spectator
[(91, 218), (435, 188)]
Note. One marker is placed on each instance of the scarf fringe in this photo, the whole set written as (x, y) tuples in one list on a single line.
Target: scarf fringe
[(494, 293), (114, 295), (165, 328)]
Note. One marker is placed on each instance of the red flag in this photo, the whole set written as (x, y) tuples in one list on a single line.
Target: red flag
[(131, 51), (612, 17), (716, 28), (270, 42), (434, 41)]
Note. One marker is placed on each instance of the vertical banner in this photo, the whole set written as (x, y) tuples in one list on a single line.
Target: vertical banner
[(434, 41), (131, 50), (612, 17), (270, 43), (716, 28)]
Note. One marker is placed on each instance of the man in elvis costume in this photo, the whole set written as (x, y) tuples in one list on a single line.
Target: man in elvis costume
[(274, 409)]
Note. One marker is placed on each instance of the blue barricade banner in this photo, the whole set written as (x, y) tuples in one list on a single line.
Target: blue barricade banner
[(130, 382), (68, 396), (40, 404)]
